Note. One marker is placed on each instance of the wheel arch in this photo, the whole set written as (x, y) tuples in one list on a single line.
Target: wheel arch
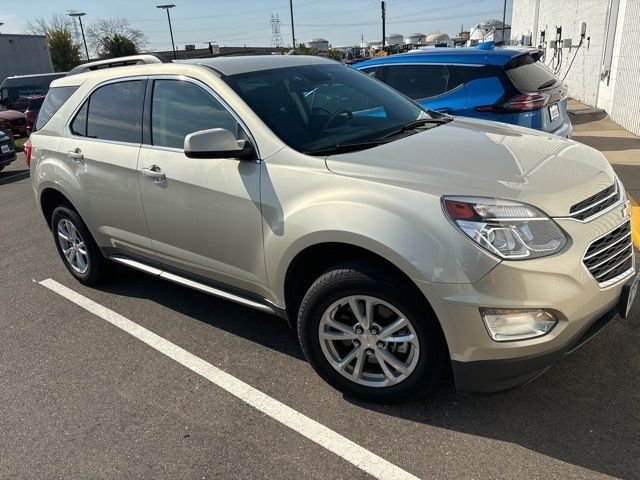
[(50, 198)]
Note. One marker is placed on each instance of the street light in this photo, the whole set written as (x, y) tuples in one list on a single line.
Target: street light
[(79, 16), (167, 7)]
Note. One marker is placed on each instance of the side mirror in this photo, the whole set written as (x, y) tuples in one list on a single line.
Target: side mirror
[(216, 143)]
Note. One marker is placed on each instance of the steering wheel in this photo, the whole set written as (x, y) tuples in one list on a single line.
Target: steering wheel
[(334, 115)]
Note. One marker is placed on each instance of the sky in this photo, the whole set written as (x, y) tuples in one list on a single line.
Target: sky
[(248, 22)]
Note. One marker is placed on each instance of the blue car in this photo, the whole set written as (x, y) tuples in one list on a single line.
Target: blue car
[(508, 85)]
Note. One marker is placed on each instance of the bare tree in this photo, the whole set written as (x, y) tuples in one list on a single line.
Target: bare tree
[(100, 34), (56, 23)]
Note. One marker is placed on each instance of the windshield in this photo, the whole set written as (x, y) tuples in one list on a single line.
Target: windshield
[(315, 107)]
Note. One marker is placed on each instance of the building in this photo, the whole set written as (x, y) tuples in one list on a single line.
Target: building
[(23, 55), (319, 44), (489, 30), (598, 52)]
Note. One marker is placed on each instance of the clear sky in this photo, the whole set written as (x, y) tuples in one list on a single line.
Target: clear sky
[(239, 22)]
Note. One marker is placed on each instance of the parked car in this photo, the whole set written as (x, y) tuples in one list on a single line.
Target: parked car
[(508, 85), (395, 239), (15, 91), (14, 120), (31, 113), (7, 149)]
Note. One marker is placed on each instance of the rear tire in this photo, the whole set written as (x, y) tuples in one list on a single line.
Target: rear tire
[(76, 247), (363, 354)]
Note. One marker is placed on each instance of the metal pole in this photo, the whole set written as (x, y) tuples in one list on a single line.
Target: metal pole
[(84, 40), (293, 32), (384, 16), (504, 18), (173, 46)]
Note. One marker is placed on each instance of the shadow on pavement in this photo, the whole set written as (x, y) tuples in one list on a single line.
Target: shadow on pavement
[(584, 411), (586, 117), (11, 176), (609, 144)]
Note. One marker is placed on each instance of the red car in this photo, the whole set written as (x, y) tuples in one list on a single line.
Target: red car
[(14, 120), (31, 113)]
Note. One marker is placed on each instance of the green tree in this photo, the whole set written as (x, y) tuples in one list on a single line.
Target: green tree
[(64, 53), (117, 45)]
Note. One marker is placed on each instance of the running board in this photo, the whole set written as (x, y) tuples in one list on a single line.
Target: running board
[(216, 292)]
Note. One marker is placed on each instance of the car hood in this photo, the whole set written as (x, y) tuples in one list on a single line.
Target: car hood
[(11, 115), (478, 158)]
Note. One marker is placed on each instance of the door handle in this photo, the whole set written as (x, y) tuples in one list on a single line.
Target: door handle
[(155, 173), (76, 155)]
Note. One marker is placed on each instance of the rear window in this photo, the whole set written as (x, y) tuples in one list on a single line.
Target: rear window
[(421, 81), (52, 103), (530, 75)]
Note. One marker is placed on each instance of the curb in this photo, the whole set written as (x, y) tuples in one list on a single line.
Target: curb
[(635, 220)]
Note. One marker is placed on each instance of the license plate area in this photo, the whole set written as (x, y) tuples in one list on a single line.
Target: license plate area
[(5, 149), (554, 112)]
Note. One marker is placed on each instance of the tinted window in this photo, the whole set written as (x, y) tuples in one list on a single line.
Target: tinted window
[(313, 107), (529, 75), (115, 112), (79, 125), (52, 103), (371, 71), (420, 81), (180, 108)]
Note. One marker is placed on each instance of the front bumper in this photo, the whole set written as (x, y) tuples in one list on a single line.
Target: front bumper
[(560, 283)]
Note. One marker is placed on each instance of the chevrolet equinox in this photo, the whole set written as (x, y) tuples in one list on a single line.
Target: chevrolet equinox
[(400, 242)]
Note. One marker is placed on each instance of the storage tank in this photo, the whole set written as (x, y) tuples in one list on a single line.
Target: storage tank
[(319, 44), (415, 39), (394, 39), (438, 38)]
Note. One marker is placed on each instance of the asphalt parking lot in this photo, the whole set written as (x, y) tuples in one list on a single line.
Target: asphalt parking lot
[(82, 398)]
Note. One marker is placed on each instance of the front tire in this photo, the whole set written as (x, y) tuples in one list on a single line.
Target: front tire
[(369, 337), (76, 247)]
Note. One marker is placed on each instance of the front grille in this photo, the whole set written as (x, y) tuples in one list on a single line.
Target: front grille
[(595, 204), (18, 122), (611, 256)]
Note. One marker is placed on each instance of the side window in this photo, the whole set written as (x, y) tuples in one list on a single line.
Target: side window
[(113, 112), (79, 124), (52, 103), (420, 81), (371, 71), (179, 108)]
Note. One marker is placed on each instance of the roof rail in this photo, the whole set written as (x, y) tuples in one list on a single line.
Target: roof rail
[(142, 59)]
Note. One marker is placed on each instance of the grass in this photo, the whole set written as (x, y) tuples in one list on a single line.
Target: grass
[(20, 142)]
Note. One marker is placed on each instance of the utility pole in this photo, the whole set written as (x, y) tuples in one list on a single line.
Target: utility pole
[(384, 19), (504, 19), (293, 31), (1, 25), (167, 7), (79, 16)]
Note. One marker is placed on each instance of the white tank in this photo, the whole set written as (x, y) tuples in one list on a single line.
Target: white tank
[(415, 39), (394, 39), (319, 44)]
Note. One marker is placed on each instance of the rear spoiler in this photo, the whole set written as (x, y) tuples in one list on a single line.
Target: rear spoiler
[(144, 59)]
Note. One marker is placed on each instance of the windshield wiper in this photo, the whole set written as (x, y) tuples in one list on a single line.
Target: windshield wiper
[(547, 84), (417, 123), (346, 147)]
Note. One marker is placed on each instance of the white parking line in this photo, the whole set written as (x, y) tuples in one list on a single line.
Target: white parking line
[(314, 431)]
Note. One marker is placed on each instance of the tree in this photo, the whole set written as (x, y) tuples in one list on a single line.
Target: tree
[(56, 23), (117, 46), (101, 36), (65, 54)]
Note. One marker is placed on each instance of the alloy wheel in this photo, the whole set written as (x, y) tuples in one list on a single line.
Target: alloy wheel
[(369, 341), (73, 246)]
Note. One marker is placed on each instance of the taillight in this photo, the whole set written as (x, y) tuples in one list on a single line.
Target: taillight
[(526, 102), (520, 103), (27, 151)]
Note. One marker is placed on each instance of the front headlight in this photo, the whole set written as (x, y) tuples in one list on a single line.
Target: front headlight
[(508, 229)]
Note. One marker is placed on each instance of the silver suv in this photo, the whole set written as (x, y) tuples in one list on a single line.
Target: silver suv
[(398, 241)]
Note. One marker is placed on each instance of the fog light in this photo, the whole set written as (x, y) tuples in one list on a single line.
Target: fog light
[(507, 324)]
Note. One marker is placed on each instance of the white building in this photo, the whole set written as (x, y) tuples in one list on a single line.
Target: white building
[(489, 30), (605, 72), (319, 44)]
